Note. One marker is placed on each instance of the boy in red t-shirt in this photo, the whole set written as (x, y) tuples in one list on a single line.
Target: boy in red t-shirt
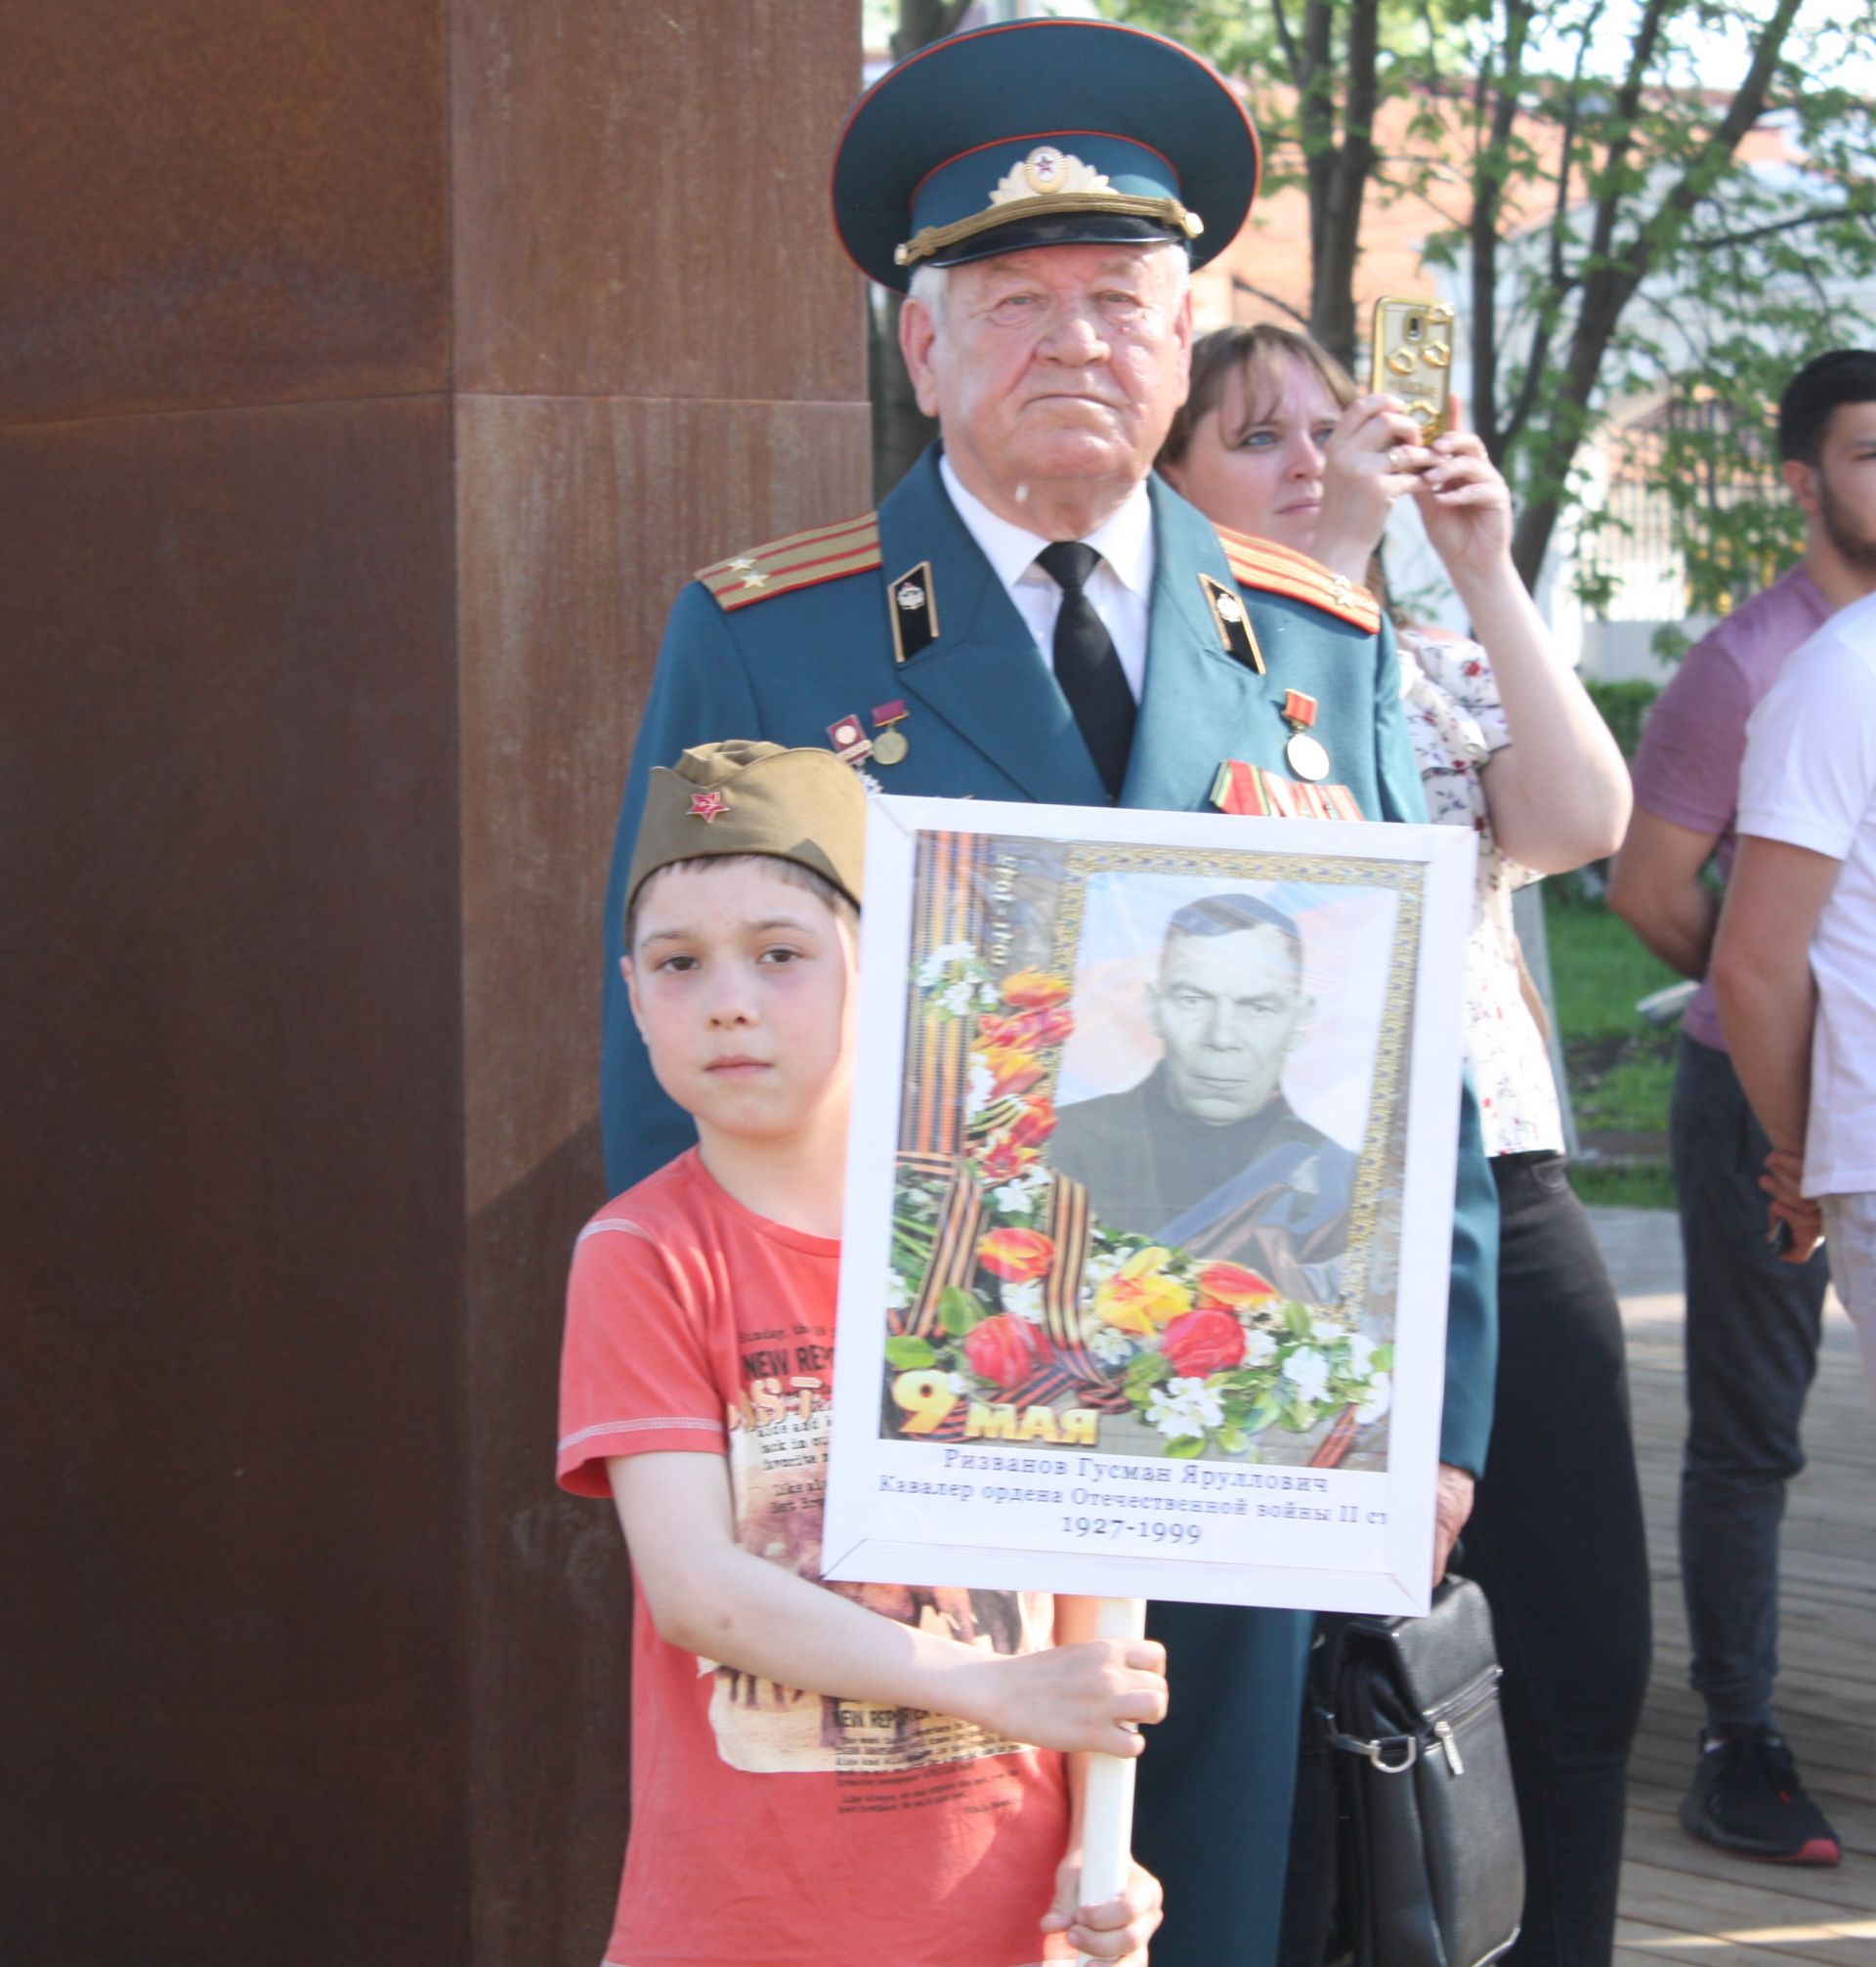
[(822, 1776)]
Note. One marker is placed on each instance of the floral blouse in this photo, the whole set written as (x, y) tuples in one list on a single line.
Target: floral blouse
[(1456, 721)]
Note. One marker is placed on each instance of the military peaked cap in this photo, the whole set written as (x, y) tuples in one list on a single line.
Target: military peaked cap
[(1041, 133)]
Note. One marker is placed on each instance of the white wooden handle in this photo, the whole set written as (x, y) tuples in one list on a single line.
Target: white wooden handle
[(1107, 1810)]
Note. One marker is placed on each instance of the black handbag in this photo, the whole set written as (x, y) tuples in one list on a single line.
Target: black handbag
[(1430, 1862)]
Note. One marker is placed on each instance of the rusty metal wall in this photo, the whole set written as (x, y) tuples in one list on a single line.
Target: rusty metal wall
[(374, 372)]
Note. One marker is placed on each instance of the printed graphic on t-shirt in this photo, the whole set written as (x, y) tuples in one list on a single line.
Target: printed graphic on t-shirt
[(778, 1477)]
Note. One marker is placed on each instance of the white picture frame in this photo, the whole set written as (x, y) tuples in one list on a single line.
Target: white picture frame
[(1068, 1019)]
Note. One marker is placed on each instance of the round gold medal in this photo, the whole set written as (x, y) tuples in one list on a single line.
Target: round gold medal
[(890, 747)]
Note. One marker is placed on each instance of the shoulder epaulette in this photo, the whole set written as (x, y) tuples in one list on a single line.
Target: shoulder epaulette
[(1278, 570), (802, 560)]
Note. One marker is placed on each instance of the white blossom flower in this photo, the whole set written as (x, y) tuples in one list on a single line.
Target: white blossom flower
[(981, 1085), (957, 998), (1024, 1300), (1380, 1395), (898, 1292), (1181, 1407), (1258, 1348), (1110, 1346), (1102, 1264), (1307, 1373), (1019, 1195), (1327, 1330), (1361, 1353)]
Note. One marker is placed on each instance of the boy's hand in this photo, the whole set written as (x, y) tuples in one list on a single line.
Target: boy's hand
[(1116, 1931), (1077, 1697)]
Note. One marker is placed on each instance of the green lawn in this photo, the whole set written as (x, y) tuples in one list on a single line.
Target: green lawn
[(1620, 1070), (1598, 968)]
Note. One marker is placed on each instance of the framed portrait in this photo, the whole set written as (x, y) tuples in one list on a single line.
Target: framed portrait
[(1149, 1204)]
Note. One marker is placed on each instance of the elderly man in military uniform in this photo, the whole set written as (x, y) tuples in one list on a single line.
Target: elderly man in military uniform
[(1206, 1152), (1032, 615)]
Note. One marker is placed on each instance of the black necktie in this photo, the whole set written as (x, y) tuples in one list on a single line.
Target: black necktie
[(1088, 665)]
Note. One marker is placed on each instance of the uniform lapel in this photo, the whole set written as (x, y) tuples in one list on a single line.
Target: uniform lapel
[(1199, 701), (984, 675)]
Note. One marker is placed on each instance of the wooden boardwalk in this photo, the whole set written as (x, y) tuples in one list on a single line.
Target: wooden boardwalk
[(1681, 1900)]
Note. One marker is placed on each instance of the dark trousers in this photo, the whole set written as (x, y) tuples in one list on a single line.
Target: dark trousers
[(1212, 1811), (1752, 1335), (1557, 1541)]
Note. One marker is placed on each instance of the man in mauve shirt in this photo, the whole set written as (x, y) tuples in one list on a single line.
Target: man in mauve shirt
[(1753, 1314)]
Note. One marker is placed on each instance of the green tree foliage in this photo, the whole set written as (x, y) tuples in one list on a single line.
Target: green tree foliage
[(1590, 163)]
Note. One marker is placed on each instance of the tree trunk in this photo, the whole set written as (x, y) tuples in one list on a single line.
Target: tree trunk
[(1343, 188)]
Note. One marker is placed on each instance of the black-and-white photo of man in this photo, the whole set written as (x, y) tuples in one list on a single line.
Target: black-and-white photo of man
[(1206, 1151)]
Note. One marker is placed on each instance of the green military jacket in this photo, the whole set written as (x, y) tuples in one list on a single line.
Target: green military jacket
[(787, 641)]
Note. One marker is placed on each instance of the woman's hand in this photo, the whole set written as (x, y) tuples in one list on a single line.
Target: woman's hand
[(1372, 457), (1465, 505)]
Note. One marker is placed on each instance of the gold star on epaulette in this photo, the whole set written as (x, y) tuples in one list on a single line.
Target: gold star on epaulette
[(802, 560), (1270, 568)]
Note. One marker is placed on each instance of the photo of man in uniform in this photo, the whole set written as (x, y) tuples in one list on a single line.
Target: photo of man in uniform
[(1206, 1151)]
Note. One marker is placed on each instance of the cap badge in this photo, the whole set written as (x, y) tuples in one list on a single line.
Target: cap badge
[(707, 806), (911, 597), (1048, 172)]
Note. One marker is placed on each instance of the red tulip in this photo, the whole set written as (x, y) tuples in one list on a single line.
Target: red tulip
[(1035, 1123), (1004, 1158), (1032, 1028), (1002, 1351), (1017, 1254), (1233, 1286), (1202, 1343)]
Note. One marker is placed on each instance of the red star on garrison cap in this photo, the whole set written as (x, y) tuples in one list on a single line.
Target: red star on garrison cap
[(708, 806)]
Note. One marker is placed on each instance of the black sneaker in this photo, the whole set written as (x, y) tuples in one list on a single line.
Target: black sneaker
[(1746, 1798)]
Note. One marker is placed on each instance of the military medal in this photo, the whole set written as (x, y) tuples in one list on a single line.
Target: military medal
[(1303, 753), (889, 745), (848, 739)]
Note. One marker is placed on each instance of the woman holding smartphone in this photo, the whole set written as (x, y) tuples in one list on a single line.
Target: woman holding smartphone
[(1275, 441)]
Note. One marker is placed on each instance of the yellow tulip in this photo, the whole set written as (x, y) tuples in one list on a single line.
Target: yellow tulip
[(1139, 1297)]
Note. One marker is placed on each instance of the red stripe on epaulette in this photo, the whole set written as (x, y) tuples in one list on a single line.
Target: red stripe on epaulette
[(866, 522), (802, 560), (1271, 568)]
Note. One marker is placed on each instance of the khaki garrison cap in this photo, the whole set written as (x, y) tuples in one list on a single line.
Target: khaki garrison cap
[(744, 796)]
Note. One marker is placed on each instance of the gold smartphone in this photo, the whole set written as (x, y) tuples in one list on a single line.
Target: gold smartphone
[(1413, 358)]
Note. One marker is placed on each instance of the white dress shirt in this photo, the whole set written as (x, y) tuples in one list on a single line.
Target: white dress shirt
[(1120, 587)]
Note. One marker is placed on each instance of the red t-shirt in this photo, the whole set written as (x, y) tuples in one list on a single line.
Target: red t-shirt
[(770, 1825)]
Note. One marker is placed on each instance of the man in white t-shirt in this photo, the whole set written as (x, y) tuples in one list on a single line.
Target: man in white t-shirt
[(1795, 962)]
